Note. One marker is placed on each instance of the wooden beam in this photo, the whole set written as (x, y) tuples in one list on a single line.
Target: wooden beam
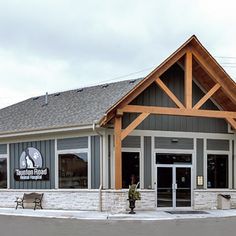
[(207, 96), (213, 75), (179, 111), (133, 125), (169, 93), (232, 122), (118, 159), (188, 80), (163, 67)]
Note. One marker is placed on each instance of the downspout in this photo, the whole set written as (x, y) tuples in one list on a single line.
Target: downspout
[(101, 163)]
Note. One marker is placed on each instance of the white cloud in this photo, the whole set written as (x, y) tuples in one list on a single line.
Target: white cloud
[(63, 44)]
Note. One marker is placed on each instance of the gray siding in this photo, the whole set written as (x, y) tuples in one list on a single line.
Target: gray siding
[(131, 142), (167, 143), (200, 158), (95, 162), (47, 150), (154, 96), (109, 161), (233, 160), (3, 148), (217, 144), (147, 162), (72, 143)]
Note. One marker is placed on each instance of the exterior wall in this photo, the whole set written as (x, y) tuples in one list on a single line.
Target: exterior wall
[(207, 199), (114, 201), (154, 96), (47, 150), (200, 159), (173, 143), (217, 144), (3, 149), (131, 142), (147, 152), (72, 143), (95, 162)]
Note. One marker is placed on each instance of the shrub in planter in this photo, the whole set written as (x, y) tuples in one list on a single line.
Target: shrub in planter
[(133, 195)]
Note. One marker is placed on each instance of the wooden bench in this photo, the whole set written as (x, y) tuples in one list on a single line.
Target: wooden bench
[(35, 198)]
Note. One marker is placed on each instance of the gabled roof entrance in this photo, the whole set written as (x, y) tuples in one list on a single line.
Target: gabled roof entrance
[(198, 63)]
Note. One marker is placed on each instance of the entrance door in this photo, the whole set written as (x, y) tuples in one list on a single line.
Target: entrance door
[(173, 186)]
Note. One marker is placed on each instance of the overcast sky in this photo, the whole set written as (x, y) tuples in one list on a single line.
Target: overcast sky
[(56, 45)]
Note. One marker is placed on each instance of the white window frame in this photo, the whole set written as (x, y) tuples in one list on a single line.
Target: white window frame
[(6, 156), (136, 150), (73, 151), (225, 153)]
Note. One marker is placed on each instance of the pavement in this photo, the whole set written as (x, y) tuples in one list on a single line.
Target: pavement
[(95, 215)]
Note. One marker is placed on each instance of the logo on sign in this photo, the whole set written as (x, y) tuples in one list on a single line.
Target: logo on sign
[(31, 163)]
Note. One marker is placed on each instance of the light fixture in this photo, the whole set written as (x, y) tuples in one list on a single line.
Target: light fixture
[(174, 140), (200, 180)]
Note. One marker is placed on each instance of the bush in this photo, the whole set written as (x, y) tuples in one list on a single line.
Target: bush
[(133, 194)]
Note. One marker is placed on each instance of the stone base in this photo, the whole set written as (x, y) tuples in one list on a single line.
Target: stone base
[(208, 199), (114, 201)]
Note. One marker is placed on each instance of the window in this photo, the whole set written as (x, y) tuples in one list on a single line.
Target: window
[(130, 168), (73, 170), (217, 171), (164, 158), (3, 173)]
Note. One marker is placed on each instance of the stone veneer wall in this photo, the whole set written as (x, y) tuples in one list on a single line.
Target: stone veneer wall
[(113, 201), (208, 199)]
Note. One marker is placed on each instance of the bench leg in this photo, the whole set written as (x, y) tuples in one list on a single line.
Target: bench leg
[(19, 204)]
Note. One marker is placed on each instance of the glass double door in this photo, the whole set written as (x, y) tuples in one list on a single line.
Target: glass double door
[(173, 186)]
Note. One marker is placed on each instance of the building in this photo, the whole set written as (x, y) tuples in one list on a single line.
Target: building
[(173, 132)]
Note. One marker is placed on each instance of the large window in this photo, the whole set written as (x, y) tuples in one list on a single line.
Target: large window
[(130, 168), (73, 170), (217, 171), (3, 173)]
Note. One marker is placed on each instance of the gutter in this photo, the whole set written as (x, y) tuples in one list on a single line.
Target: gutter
[(43, 131), (101, 163)]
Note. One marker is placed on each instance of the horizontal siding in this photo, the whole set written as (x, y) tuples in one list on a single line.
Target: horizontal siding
[(131, 142), (167, 143), (218, 144), (72, 143), (3, 148)]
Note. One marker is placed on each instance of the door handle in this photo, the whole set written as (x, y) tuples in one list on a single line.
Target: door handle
[(176, 186)]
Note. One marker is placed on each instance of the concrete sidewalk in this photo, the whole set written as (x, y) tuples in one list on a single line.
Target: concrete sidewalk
[(95, 215)]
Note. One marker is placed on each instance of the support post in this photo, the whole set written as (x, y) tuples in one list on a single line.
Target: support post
[(118, 161)]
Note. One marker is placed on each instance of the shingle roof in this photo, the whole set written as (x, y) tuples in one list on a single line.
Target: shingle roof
[(71, 108)]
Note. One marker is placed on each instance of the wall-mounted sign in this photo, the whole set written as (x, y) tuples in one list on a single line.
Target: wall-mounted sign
[(31, 163)]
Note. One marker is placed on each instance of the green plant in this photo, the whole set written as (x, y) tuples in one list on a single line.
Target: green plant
[(133, 194)]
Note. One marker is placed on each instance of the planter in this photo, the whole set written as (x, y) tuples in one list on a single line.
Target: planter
[(132, 206)]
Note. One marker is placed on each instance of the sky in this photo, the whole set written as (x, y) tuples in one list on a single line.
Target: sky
[(57, 45)]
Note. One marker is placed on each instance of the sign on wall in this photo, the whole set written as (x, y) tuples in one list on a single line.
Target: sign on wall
[(31, 166)]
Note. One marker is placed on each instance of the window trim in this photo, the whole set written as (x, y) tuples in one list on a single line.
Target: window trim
[(225, 153), (6, 156), (134, 150), (73, 151)]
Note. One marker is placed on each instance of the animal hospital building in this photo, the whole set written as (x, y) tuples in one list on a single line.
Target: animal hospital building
[(172, 133)]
